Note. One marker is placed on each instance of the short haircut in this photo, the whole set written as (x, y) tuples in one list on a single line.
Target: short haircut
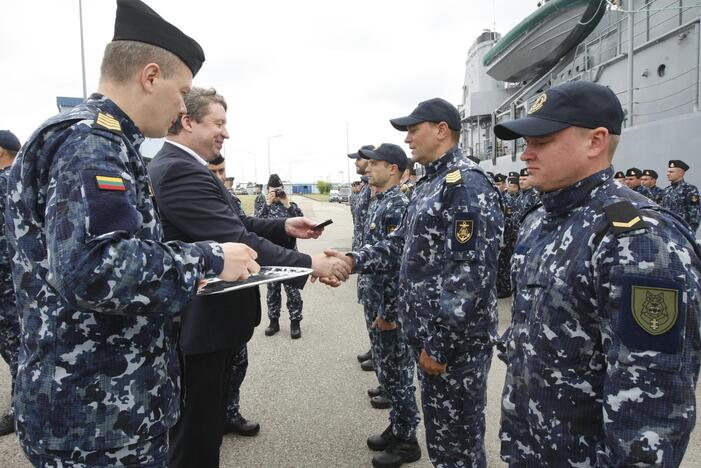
[(217, 161), (197, 102), (123, 59)]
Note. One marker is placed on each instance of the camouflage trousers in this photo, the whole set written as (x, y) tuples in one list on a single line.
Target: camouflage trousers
[(152, 453), (504, 271), (9, 336), (294, 301), (454, 406), (239, 364), (394, 367)]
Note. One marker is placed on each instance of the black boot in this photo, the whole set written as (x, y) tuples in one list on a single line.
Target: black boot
[(365, 356), (377, 391), (242, 426), (380, 402), (397, 453), (367, 365), (295, 331), (273, 328), (380, 442), (7, 424)]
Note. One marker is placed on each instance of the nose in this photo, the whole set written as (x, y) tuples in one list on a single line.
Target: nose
[(183, 109), (407, 140), (224, 132)]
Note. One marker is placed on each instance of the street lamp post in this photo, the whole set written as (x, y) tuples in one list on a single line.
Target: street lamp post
[(270, 138)]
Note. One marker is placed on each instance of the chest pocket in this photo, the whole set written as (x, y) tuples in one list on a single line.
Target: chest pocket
[(107, 204)]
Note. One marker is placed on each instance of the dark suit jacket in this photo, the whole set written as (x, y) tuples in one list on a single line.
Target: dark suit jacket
[(194, 206)]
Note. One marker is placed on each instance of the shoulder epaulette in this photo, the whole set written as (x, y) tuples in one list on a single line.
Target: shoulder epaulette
[(624, 217), (107, 122), (453, 178)]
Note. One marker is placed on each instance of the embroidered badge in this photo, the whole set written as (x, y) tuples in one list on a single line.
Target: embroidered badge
[(694, 199), (108, 122), (538, 104), (463, 230), (110, 183), (391, 228), (372, 226), (654, 309)]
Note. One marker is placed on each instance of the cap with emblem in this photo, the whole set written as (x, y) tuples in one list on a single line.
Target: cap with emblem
[(650, 173), (388, 152), (678, 163), (490, 174), (513, 174), (435, 110), (513, 180), (136, 21), (356, 155), (573, 104), (499, 178), (634, 172), (9, 141), (523, 173), (619, 175)]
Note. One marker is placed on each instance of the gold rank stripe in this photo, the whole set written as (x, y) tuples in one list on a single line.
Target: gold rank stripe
[(453, 177), (630, 223), (109, 122)]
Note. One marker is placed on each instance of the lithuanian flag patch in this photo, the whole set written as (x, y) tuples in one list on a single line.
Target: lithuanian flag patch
[(110, 183)]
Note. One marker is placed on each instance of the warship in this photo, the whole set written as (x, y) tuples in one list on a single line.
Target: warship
[(647, 51)]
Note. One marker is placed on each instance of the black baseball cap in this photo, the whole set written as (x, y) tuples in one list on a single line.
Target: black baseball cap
[(388, 152), (678, 163), (9, 141), (650, 173), (634, 172), (136, 21), (573, 104), (435, 110), (356, 155)]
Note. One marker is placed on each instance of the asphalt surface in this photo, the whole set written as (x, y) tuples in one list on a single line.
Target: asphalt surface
[(309, 395)]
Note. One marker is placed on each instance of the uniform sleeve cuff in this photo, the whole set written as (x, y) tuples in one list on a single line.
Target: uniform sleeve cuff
[(357, 261), (213, 256)]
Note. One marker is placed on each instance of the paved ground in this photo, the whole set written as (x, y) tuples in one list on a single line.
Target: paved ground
[(309, 394)]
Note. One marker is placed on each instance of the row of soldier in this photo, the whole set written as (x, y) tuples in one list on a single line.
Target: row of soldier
[(603, 350)]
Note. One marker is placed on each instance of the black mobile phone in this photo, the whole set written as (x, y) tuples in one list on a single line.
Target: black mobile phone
[(316, 227)]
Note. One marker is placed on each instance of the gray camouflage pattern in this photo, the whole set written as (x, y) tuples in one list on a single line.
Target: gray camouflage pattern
[(258, 204), (9, 322), (446, 250), (656, 194), (510, 231), (239, 365), (682, 198), (98, 291), (586, 385)]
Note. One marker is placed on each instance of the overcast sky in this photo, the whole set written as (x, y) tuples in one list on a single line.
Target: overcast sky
[(302, 69)]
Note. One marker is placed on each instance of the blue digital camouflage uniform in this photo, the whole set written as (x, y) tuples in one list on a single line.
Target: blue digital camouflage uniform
[(239, 361), (656, 194), (510, 231), (644, 191), (9, 323), (446, 250), (98, 291), (258, 204), (393, 359), (526, 201), (294, 296), (359, 211), (603, 350), (683, 199)]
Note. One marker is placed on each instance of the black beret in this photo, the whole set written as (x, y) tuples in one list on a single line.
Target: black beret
[(490, 174), (650, 172), (9, 141), (499, 178), (274, 181), (634, 172), (619, 175), (678, 163), (524, 172), (513, 180), (136, 21), (513, 174)]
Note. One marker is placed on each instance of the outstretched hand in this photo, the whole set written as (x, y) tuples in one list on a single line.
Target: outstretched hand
[(301, 228), (330, 267), (334, 281)]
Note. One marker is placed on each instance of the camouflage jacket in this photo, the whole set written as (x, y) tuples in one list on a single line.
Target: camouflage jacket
[(446, 250), (527, 199), (656, 194), (359, 210), (384, 215), (98, 292), (603, 349), (683, 199), (7, 292), (642, 190), (510, 216), (258, 204), (278, 210)]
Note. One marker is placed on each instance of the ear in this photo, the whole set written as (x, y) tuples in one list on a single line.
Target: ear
[(443, 131), (597, 142), (186, 122), (148, 76)]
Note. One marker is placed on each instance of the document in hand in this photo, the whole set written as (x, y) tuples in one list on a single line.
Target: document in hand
[(267, 274)]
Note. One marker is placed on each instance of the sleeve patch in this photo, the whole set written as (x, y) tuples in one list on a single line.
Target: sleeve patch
[(108, 209), (652, 315), (392, 224), (464, 232), (695, 199)]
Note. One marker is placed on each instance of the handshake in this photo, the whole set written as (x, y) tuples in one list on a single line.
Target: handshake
[(330, 268)]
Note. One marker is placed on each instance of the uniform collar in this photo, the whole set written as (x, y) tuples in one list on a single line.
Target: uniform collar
[(387, 193), (128, 127), (442, 163), (565, 199)]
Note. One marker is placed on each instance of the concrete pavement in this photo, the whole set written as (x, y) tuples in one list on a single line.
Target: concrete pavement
[(309, 395)]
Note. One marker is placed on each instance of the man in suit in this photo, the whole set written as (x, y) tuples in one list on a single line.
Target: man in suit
[(195, 205)]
